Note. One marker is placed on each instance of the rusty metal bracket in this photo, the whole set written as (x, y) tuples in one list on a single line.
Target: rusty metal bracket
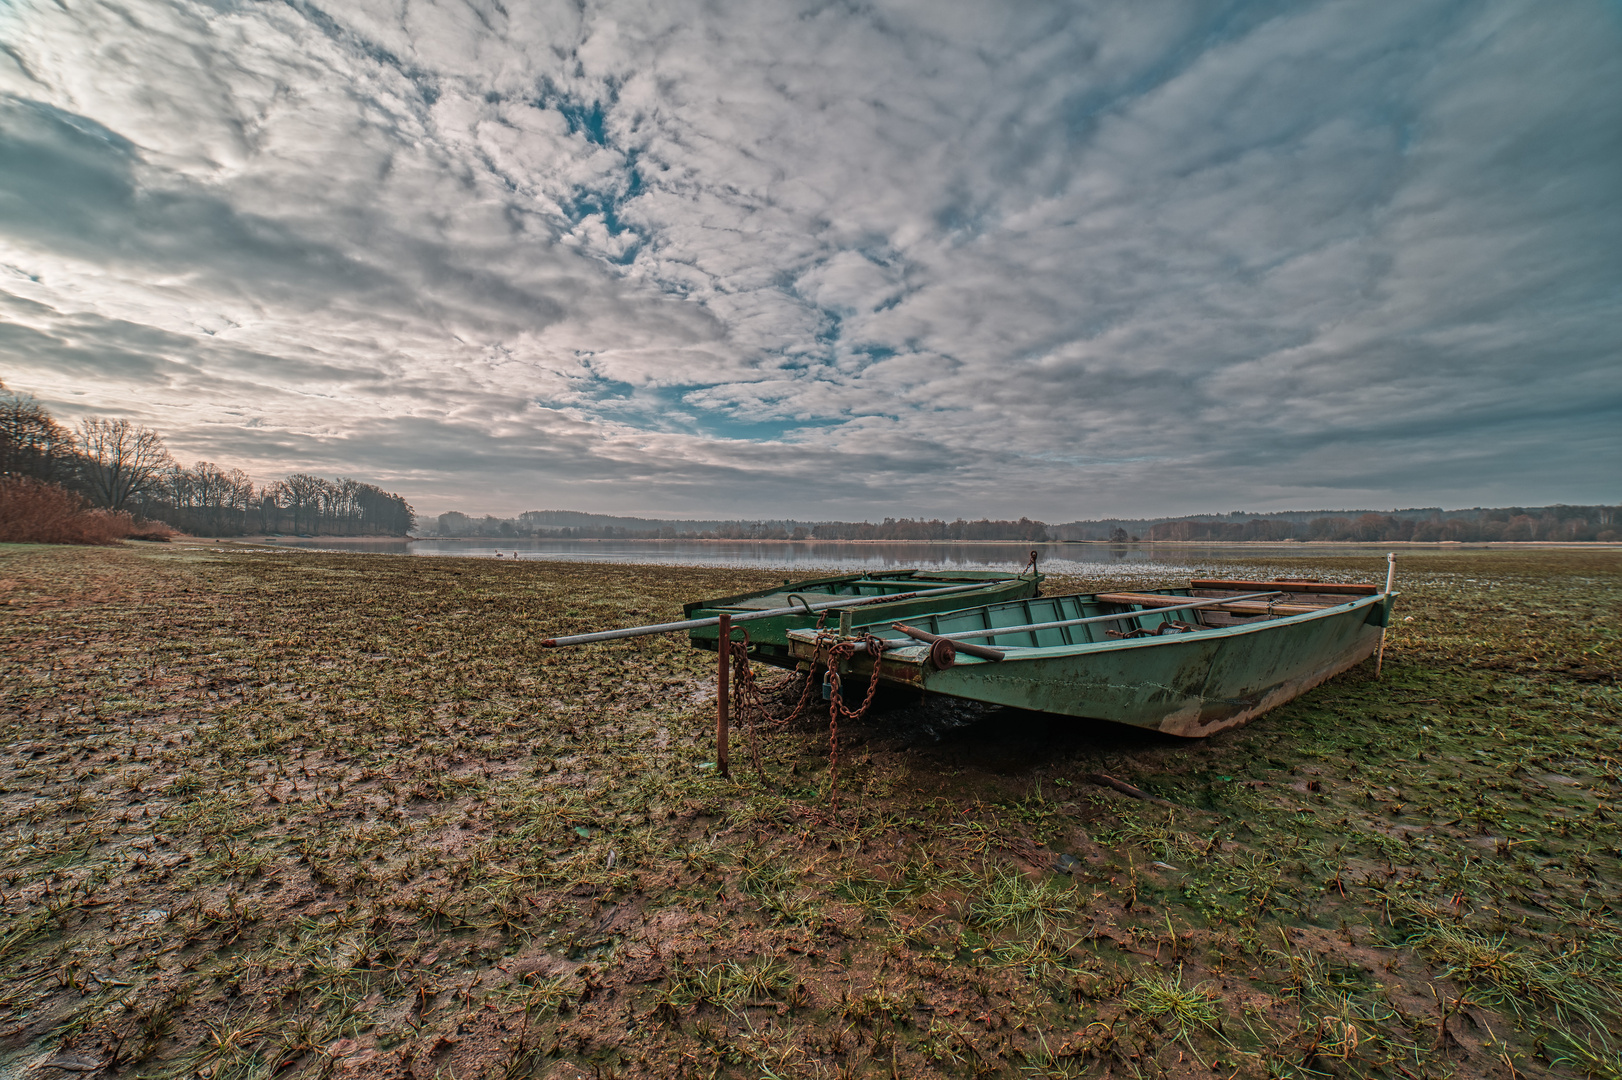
[(723, 689), (981, 651)]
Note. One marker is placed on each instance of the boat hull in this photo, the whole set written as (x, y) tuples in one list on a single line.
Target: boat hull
[(768, 638), (1191, 685)]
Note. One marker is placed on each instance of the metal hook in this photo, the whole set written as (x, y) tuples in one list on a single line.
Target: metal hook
[(806, 603), (1031, 566)]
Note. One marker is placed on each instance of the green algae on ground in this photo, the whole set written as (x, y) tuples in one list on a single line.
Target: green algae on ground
[(271, 813)]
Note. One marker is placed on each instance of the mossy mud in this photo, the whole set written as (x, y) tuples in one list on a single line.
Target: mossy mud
[(303, 814)]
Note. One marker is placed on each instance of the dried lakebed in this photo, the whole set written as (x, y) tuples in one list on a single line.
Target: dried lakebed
[(309, 814)]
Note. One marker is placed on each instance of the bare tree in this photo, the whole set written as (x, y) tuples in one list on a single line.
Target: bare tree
[(269, 508), (120, 460), (302, 493), (31, 442)]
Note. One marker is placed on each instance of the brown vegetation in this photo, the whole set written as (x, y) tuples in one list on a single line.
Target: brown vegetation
[(34, 512)]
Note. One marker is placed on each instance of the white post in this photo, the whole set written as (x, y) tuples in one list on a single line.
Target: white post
[(1390, 578)]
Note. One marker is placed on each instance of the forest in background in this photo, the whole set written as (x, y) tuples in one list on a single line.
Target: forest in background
[(1552, 523), (1423, 525), (1481, 524), (124, 469), (572, 525)]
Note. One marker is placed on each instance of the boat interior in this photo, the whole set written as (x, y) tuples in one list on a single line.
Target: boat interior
[(1155, 612)]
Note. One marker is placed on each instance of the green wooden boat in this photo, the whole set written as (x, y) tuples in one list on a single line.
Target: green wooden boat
[(1188, 662), (768, 638)]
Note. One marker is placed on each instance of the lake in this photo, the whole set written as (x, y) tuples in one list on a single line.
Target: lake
[(836, 555)]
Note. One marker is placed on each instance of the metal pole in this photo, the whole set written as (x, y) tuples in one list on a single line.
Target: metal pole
[(723, 678)]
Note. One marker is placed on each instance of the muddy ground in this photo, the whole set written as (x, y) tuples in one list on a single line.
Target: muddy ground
[(276, 813)]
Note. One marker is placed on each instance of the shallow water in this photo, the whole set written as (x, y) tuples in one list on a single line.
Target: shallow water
[(842, 556)]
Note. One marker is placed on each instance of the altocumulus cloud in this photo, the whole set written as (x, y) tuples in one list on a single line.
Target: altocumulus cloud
[(1060, 259)]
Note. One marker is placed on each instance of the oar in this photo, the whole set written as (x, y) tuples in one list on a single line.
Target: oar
[(795, 609)]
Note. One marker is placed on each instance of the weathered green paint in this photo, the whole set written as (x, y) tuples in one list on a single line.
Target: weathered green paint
[(1191, 684), (768, 638)]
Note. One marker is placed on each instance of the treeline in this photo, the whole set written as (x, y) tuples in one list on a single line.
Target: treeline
[(542, 524), (1503, 524), (206, 500), (572, 525), (124, 468), (934, 529)]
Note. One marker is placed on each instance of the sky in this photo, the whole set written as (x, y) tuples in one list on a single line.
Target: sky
[(852, 260)]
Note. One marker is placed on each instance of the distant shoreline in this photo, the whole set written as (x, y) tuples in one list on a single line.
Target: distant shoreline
[(1307, 545)]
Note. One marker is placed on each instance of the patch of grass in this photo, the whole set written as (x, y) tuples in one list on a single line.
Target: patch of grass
[(727, 984), (1578, 985), (1164, 997), (1007, 899)]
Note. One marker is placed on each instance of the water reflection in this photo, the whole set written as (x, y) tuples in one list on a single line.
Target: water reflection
[(813, 555)]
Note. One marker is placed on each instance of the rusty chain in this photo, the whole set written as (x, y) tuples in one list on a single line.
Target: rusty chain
[(752, 712), (839, 651), (751, 703)]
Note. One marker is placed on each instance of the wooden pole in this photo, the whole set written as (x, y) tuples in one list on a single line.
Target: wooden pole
[(723, 687)]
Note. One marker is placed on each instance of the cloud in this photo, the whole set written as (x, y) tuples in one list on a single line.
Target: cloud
[(831, 259)]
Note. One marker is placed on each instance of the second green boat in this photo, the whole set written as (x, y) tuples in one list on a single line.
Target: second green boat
[(941, 590)]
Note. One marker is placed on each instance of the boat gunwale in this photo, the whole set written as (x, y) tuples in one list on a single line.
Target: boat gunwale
[(918, 654)]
